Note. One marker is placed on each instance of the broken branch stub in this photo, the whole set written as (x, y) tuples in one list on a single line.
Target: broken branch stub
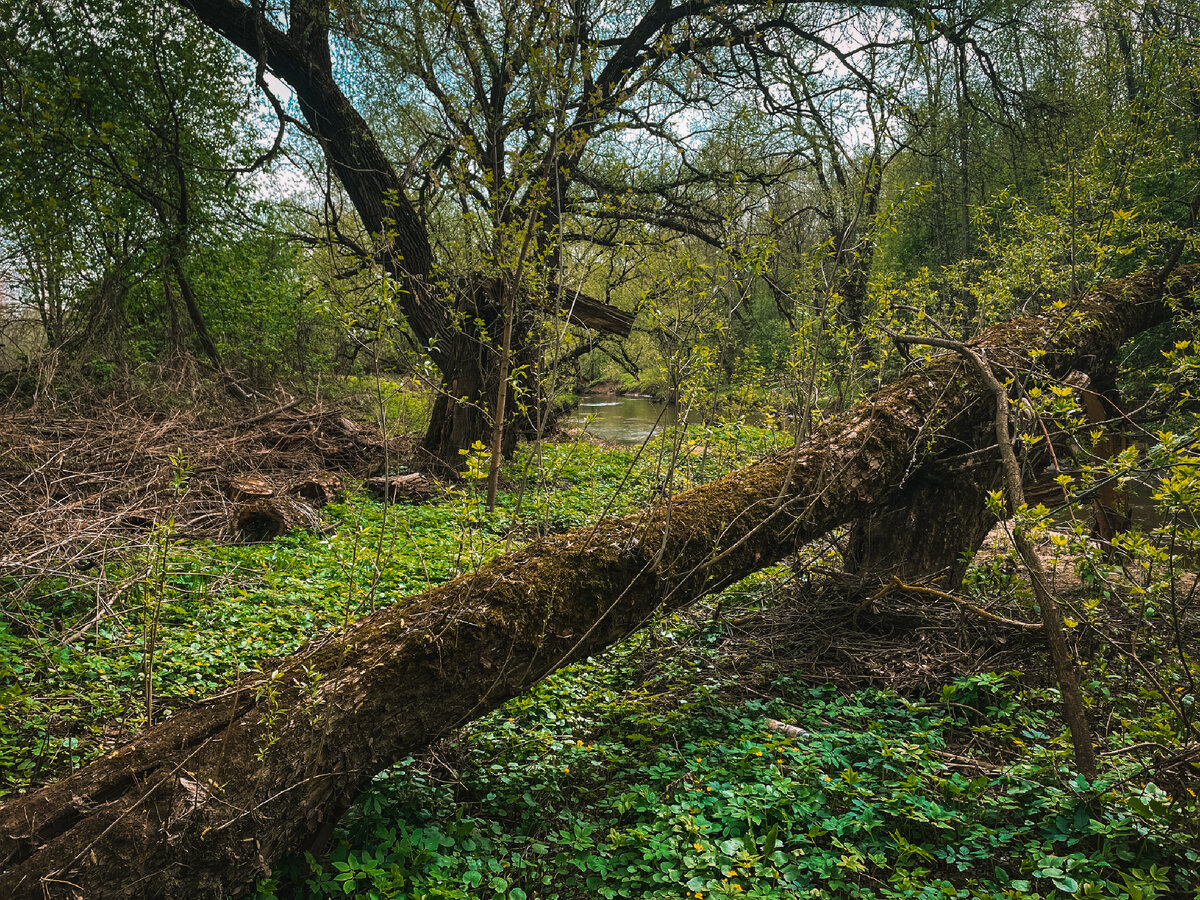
[(206, 802)]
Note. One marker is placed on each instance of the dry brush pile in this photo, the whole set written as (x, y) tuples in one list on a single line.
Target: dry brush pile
[(75, 489)]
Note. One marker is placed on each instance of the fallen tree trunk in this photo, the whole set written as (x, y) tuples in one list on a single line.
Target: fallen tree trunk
[(906, 539), (209, 800)]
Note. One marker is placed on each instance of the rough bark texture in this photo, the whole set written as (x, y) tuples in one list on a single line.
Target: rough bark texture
[(207, 801), (932, 528), (1112, 504)]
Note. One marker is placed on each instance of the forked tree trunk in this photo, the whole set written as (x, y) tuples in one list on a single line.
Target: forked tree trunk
[(204, 803), (464, 408), (399, 237)]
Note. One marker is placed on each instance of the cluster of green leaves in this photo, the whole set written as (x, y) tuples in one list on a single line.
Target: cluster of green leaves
[(1136, 600), (128, 133)]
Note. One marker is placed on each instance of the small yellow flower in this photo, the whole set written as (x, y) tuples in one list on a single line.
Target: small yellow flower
[(698, 845), (758, 753)]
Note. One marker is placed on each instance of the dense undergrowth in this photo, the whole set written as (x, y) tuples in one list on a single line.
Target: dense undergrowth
[(74, 656), (656, 770), (598, 786)]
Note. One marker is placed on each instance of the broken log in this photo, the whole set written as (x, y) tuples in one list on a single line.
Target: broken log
[(263, 511), (267, 518), (317, 489), (245, 488), (210, 799)]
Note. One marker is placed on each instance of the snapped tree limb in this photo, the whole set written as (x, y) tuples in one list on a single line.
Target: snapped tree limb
[(212, 798)]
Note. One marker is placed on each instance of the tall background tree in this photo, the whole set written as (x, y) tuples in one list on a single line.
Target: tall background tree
[(128, 217), (464, 147)]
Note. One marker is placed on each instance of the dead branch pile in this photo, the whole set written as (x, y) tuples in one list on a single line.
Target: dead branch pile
[(71, 489)]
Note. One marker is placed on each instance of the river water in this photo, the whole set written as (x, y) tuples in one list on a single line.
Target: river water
[(622, 420), (630, 420)]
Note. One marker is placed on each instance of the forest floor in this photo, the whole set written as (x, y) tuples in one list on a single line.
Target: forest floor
[(777, 740)]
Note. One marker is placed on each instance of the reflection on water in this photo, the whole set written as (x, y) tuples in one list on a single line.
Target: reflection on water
[(622, 420)]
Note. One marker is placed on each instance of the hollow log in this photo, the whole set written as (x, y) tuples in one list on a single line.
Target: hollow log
[(209, 800), (317, 488), (270, 517)]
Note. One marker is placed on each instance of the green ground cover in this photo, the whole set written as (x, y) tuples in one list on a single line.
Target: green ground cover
[(608, 783), (652, 771)]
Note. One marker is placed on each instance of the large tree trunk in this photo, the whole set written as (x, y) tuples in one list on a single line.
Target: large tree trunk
[(931, 528), (207, 801), (464, 408), (301, 56)]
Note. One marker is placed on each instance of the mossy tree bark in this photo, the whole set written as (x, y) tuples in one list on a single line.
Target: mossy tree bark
[(204, 803), (931, 528)]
